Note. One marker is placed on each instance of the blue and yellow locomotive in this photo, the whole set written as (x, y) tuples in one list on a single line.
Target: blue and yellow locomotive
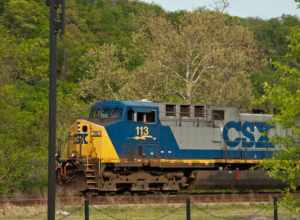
[(144, 146)]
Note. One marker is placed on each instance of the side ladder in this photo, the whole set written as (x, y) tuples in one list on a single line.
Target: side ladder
[(91, 174)]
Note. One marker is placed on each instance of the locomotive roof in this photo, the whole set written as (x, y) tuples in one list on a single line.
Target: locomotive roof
[(122, 104)]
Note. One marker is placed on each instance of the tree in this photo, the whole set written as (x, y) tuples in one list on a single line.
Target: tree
[(23, 137), (24, 77), (105, 75), (7, 56), (272, 40), (124, 50), (26, 18), (284, 96), (201, 59)]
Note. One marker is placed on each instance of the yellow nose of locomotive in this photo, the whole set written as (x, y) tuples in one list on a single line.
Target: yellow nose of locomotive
[(81, 137), (89, 139)]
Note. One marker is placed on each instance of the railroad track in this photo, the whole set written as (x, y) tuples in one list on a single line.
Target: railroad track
[(148, 199)]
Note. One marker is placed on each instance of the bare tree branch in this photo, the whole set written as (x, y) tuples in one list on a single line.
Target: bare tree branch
[(221, 5), (175, 72)]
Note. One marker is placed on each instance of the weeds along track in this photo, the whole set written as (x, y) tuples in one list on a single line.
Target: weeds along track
[(148, 199)]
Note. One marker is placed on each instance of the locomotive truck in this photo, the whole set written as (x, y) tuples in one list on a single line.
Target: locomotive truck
[(144, 146)]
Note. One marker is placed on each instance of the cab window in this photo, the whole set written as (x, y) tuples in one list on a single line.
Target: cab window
[(142, 117), (111, 114)]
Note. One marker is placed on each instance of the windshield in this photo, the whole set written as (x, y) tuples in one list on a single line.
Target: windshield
[(106, 114)]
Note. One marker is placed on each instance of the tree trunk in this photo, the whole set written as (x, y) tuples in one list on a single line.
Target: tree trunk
[(189, 92)]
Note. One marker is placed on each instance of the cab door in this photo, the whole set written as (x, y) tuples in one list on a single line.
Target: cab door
[(143, 138)]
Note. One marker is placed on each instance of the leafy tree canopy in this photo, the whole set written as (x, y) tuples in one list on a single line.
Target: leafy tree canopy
[(284, 96), (132, 50)]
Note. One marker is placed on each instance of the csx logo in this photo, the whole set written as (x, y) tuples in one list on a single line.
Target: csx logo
[(247, 134), (81, 138)]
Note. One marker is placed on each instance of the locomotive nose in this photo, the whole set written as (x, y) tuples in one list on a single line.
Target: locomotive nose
[(81, 133), (81, 127)]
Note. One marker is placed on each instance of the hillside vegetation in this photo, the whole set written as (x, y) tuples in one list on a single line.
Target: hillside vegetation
[(132, 50)]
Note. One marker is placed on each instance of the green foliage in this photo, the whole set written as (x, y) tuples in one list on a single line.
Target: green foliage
[(272, 37), (115, 49), (196, 57), (7, 56), (104, 68), (26, 18), (284, 96), (24, 133), (23, 137), (32, 59), (2, 3)]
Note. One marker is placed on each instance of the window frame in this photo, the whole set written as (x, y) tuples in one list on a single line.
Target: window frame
[(135, 116), (97, 112), (170, 113), (183, 114), (218, 110), (199, 111)]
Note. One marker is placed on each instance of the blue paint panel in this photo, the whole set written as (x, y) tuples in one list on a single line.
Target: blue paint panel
[(165, 147), (263, 141), (248, 131), (232, 125), (122, 135), (161, 143)]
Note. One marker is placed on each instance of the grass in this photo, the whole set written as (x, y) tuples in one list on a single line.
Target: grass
[(211, 211)]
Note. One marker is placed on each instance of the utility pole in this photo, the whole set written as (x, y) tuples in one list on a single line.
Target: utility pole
[(56, 22), (188, 209), (86, 208), (275, 200)]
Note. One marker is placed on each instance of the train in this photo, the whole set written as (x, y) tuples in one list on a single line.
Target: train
[(142, 146)]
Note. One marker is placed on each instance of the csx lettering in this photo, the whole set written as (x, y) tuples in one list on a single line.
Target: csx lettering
[(246, 135), (81, 138)]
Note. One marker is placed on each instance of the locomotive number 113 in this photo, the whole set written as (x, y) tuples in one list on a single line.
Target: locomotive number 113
[(142, 131)]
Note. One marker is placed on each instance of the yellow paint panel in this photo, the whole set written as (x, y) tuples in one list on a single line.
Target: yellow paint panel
[(106, 149), (97, 146), (193, 162), (100, 147)]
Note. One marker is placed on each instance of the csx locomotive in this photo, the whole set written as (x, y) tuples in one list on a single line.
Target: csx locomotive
[(144, 146)]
